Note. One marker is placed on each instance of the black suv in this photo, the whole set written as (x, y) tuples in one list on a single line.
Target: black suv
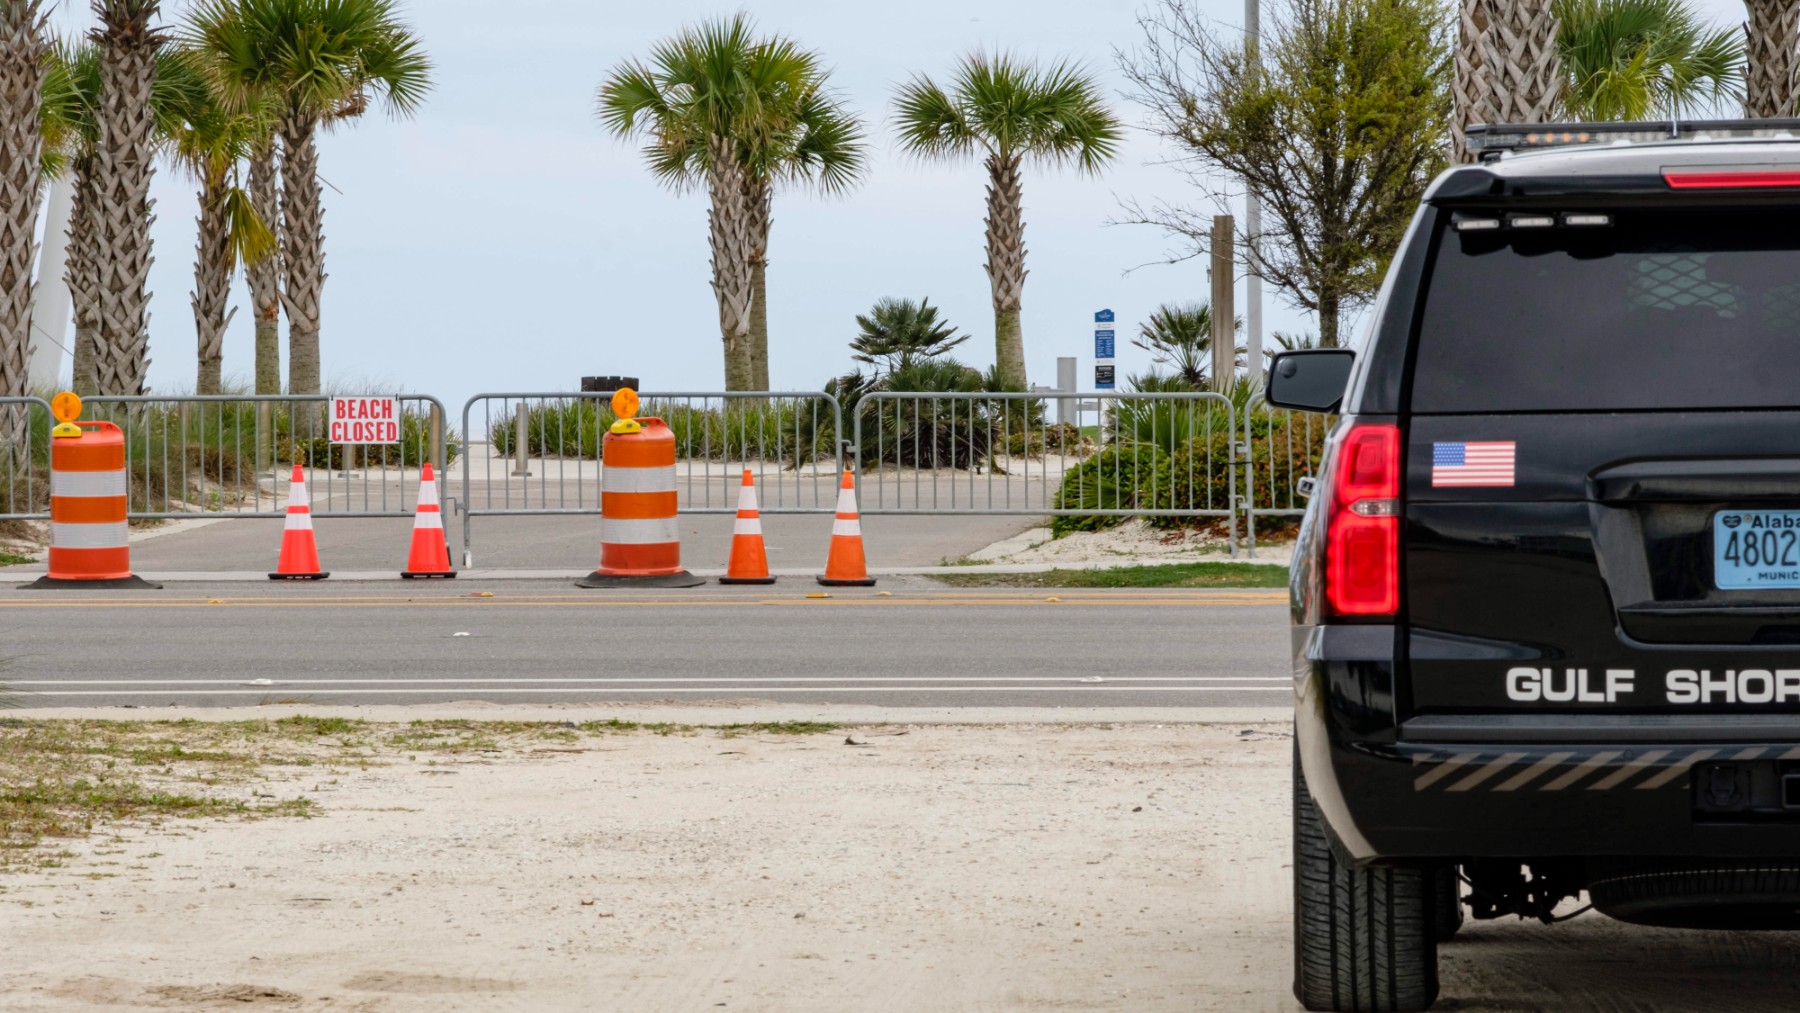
[(1546, 598)]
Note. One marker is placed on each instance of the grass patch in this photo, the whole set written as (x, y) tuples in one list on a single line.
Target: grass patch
[(69, 779), (1164, 575), (14, 559), (782, 728)]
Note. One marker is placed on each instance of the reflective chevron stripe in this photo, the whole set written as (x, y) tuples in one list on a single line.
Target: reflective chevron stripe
[(1463, 772)]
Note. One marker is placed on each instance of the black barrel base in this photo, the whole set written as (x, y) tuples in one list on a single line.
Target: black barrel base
[(611, 580)]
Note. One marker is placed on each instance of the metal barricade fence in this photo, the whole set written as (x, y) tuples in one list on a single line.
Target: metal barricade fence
[(1108, 455), (1280, 448), (233, 455), (25, 459), (791, 441)]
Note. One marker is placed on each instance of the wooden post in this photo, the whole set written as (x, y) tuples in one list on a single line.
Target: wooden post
[(1224, 312)]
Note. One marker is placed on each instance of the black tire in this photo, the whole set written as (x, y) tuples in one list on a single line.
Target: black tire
[(1698, 893), (1365, 940), (1448, 919)]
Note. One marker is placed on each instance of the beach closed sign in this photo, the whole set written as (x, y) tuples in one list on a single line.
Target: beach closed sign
[(365, 420)]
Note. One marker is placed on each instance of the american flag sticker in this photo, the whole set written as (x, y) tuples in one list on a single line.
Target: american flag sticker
[(1472, 464)]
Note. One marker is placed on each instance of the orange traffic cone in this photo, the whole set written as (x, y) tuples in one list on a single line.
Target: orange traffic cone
[(845, 566), (430, 555), (299, 552), (749, 563)]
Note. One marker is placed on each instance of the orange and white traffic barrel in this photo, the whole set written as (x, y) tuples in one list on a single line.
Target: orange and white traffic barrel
[(89, 534), (640, 537)]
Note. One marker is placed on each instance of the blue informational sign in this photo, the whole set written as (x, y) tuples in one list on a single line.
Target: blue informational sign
[(1105, 347)]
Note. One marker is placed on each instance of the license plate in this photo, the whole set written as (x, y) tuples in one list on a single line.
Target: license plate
[(1756, 548)]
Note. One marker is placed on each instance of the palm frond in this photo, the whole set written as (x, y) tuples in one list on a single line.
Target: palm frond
[(1638, 59), (252, 239), (764, 99), (998, 103), (314, 55), (932, 124)]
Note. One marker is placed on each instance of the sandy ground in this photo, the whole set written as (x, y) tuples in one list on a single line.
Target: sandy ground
[(1132, 542), (1022, 867), (1140, 866)]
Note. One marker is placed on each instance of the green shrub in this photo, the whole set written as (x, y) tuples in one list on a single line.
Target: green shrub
[(1117, 477), (792, 430), (1198, 475)]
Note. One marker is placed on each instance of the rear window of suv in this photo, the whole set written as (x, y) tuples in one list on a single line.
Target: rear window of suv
[(1659, 310)]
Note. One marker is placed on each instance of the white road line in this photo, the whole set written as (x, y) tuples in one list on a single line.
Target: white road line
[(280, 683), (1090, 690)]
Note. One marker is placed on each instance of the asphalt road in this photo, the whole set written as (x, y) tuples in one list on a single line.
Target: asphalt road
[(546, 641)]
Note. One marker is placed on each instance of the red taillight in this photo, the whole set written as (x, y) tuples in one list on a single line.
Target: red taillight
[(1362, 543), (1760, 179)]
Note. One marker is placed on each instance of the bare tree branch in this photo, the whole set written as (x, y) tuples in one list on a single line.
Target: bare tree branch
[(1338, 130)]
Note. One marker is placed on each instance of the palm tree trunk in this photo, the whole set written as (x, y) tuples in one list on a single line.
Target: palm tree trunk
[(124, 160), (731, 232), (1519, 55), (760, 208), (1006, 265), (22, 69), (263, 277), (1472, 90), (759, 326), (82, 274), (212, 286), (1771, 58), (302, 248)]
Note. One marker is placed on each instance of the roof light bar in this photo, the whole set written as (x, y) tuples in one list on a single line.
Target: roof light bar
[(1531, 221), (1490, 138), (1585, 220), (1732, 179), (1462, 224)]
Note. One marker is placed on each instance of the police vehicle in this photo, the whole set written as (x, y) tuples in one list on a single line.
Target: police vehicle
[(1546, 596)]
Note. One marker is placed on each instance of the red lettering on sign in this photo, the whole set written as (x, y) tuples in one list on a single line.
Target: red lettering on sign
[(364, 420)]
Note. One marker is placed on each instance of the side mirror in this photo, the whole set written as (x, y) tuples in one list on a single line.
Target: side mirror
[(1310, 380)]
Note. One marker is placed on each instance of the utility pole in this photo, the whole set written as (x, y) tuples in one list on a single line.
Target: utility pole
[(50, 295), (1224, 315), (1253, 333)]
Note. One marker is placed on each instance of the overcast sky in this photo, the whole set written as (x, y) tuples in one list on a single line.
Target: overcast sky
[(501, 241)]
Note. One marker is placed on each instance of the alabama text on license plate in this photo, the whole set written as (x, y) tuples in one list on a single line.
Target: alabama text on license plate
[(1756, 548)]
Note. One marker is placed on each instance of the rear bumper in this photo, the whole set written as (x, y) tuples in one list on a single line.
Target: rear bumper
[(1389, 793)]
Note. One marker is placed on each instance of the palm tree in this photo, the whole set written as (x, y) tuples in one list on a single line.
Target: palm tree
[(24, 66), (210, 144), (1180, 336), (262, 275), (898, 331), (123, 162), (1635, 59), (1772, 50), (76, 65), (722, 109), (1472, 90), (823, 148), (314, 60), (1519, 61), (74, 108), (1008, 111)]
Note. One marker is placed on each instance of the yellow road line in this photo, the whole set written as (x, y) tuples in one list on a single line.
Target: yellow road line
[(77, 603)]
